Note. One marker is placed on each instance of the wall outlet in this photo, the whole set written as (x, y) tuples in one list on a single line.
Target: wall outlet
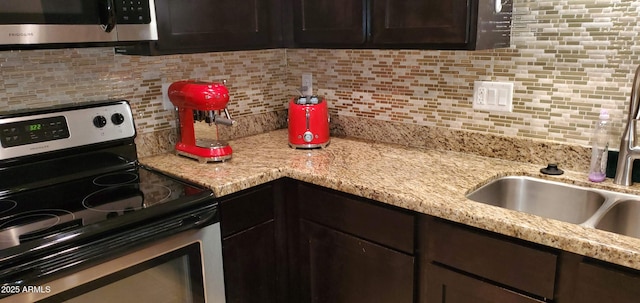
[(166, 103), (493, 96), (481, 96), (307, 84)]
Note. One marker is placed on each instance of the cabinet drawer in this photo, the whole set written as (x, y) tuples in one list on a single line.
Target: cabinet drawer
[(357, 216), (600, 284), (245, 209), (500, 260)]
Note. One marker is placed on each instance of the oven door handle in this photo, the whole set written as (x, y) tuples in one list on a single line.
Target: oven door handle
[(63, 258), (197, 220)]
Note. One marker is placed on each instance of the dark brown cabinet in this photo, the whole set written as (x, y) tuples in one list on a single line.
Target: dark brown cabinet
[(212, 25), (249, 246), (250, 265), (605, 283), (351, 250), (330, 22), (462, 264), (290, 241), (415, 22), (424, 24), (448, 286), (338, 267), (218, 25)]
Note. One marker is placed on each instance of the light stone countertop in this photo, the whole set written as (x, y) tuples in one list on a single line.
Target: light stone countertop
[(426, 181)]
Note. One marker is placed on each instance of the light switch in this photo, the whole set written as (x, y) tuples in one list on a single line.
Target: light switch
[(493, 96), (502, 97)]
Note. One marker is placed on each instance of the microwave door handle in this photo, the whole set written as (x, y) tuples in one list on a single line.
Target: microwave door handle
[(107, 15)]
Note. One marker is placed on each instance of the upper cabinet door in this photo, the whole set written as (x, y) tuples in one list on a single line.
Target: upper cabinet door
[(340, 22), (190, 26), (212, 23), (420, 21)]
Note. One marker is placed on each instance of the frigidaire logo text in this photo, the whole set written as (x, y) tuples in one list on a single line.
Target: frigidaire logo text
[(20, 34), (39, 147)]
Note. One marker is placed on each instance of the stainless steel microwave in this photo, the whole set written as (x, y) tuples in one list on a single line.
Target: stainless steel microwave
[(27, 22)]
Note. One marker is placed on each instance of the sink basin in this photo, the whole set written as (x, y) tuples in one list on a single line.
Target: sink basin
[(590, 207), (623, 218), (539, 197)]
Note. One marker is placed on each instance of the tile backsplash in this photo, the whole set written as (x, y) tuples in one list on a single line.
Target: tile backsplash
[(36, 78), (568, 59)]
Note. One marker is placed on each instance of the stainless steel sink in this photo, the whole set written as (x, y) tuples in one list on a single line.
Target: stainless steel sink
[(539, 197), (623, 218), (590, 207)]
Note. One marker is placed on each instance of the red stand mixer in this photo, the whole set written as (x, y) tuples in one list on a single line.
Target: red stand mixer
[(198, 101)]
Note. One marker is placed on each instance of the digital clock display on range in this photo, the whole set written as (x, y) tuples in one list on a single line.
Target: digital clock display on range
[(34, 127), (33, 131)]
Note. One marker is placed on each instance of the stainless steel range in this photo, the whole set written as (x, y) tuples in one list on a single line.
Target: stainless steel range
[(82, 221)]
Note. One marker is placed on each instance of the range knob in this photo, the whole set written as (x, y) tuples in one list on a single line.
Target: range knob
[(99, 121), (117, 118)]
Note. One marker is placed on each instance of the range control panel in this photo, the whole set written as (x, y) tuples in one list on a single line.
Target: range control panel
[(34, 131), (59, 128)]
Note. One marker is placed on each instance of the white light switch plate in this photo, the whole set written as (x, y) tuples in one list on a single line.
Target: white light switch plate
[(493, 96)]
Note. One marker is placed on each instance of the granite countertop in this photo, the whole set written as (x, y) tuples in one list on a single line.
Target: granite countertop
[(426, 181)]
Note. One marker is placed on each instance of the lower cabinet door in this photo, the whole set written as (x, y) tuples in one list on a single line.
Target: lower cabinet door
[(446, 286), (250, 265), (595, 283), (340, 268)]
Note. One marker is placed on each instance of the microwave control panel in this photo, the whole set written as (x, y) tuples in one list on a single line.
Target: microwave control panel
[(133, 11)]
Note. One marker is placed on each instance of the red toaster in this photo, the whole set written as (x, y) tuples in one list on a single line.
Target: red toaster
[(308, 122)]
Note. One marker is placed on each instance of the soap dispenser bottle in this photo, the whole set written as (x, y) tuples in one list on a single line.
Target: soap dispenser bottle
[(600, 148)]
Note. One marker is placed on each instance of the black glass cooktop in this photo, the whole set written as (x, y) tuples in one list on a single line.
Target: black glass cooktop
[(123, 196)]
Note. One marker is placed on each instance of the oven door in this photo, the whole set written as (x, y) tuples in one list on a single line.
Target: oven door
[(186, 267), (76, 21)]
